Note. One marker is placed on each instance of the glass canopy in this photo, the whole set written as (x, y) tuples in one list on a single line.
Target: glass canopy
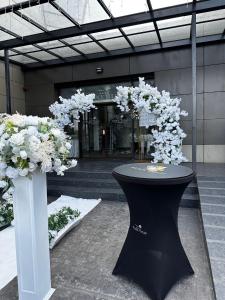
[(134, 24)]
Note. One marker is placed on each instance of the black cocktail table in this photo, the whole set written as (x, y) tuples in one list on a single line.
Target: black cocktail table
[(152, 254)]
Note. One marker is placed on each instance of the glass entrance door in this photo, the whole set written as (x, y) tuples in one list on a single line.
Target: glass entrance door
[(106, 132)]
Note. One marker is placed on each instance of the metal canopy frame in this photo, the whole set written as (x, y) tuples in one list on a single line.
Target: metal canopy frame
[(192, 9), (90, 28)]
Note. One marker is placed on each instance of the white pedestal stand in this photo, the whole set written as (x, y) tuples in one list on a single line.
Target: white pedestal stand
[(31, 230)]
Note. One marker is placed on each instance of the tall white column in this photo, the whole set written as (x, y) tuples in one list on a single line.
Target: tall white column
[(31, 230)]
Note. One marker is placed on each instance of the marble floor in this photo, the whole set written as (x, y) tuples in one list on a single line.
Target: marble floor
[(83, 261)]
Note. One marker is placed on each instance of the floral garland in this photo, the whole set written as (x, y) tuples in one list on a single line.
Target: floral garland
[(59, 220), (168, 135), (66, 111), (28, 143)]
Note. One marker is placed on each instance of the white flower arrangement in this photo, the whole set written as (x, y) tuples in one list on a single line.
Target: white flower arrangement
[(66, 111), (168, 135), (28, 143), (135, 99)]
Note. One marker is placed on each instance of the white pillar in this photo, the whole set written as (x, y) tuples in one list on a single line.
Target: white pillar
[(31, 230)]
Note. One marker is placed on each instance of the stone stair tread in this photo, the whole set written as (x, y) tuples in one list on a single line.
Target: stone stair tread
[(212, 201), (211, 178)]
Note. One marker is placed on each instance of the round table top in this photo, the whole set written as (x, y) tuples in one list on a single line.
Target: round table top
[(154, 173)]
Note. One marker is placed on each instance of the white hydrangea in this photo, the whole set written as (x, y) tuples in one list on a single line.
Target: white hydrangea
[(28, 143), (168, 135), (66, 111)]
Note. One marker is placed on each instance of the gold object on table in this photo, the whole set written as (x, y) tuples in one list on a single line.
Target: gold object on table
[(155, 169)]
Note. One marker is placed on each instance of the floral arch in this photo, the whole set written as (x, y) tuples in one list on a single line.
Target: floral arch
[(151, 107)]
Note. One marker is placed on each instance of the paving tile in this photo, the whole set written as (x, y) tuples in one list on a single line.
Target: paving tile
[(211, 191), (215, 233), (210, 219), (216, 249), (218, 269), (212, 200), (213, 209)]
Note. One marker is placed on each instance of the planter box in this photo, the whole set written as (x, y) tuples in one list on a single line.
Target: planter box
[(4, 226), (83, 205)]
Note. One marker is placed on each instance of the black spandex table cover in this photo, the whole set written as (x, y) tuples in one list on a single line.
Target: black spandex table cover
[(152, 254)]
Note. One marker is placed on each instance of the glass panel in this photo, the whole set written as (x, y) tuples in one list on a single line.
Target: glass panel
[(65, 51), (138, 28), (106, 34), (107, 132), (5, 36), (144, 38), (216, 27), (83, 11), (116, 43), (2, 53), (4, 3), (27, 48), (17, 25), (174, 34), (165, 3), (47, 16), (174, 22), (78, 39), (51, 44), (211, 15), (89, 48), (22, 59), (43, 55), (126, 7)]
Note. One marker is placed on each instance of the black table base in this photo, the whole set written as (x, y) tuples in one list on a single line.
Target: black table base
[(152, 254)]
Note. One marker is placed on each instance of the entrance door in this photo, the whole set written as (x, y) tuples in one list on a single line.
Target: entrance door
[(106, 132)]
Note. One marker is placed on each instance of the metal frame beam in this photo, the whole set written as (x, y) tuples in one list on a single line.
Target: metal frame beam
[(194, 92), (160, 14), (108, 12), (7, 83), (22, 5), (200, 41), (154, 21)]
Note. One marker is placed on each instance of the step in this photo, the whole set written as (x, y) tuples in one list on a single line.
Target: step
[(211, 178), (211, 184), (212, 191), (97, 182), (111, 194), (212, 202)]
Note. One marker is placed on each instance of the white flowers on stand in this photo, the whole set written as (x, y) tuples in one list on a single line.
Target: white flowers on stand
[(168, 135), (66, 111), (28, 143)]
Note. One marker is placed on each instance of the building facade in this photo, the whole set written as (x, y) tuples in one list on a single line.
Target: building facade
[(33, 91)]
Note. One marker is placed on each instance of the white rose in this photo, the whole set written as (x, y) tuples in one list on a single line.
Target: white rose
[(3, 165), (56, 132), (68, 146), (32, 130), (23, 172), (23, 154), (14, 158), (17, 139), (73, 163), (2, 172), (32, 167), (3, 184), (11, 172), (32, 121), (57, 162)]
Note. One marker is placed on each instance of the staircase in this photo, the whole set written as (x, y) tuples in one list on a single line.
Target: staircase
[(94, 180), (212, 203)]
